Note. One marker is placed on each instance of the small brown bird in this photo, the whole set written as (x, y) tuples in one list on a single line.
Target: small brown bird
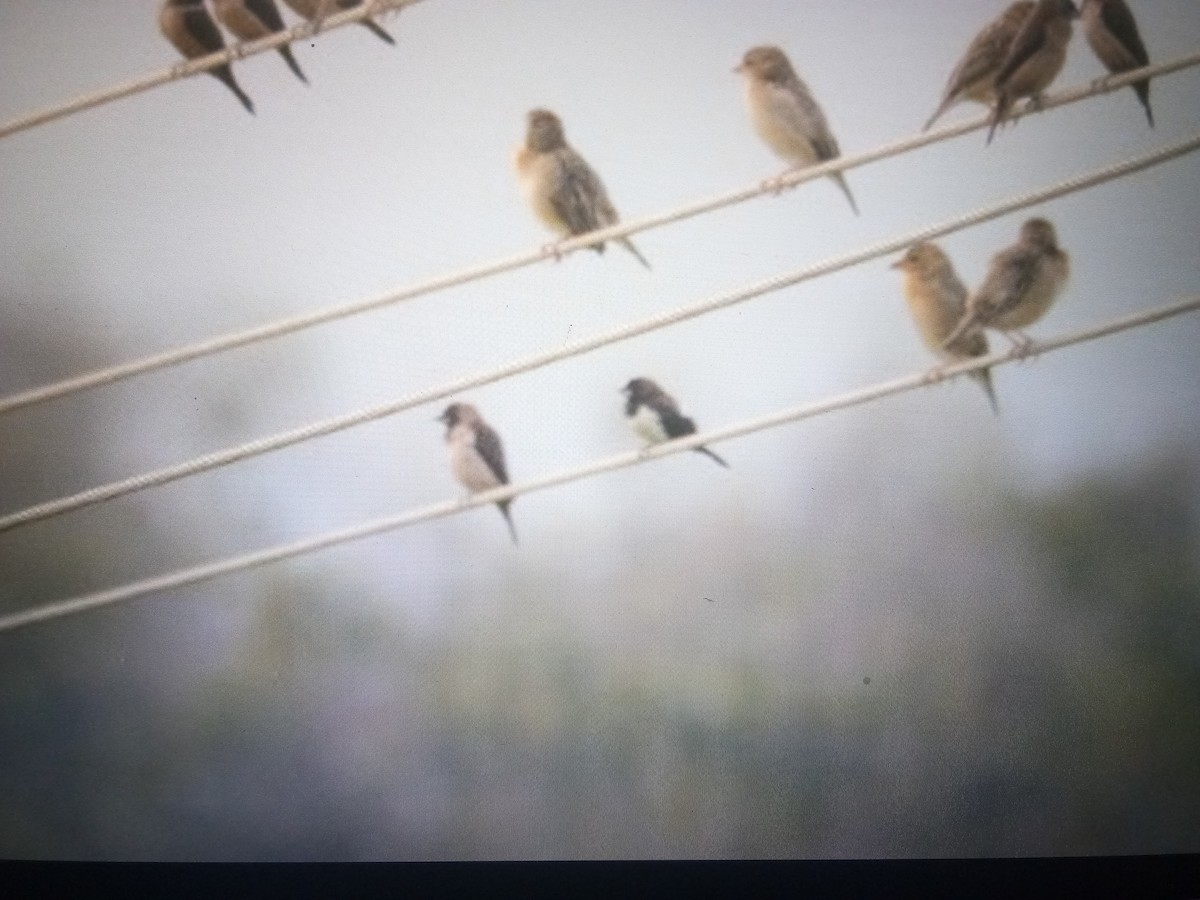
[(1112, 34), (937, 301), (192, 31), (560, 186), (973, 78), (785, 115), (252, 20), (476, 454), (1035, 57), (1021, 285), (655, 417), (316, 11)]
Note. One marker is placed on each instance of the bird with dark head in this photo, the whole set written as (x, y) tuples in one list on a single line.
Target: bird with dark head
[(654, 415), (476, 454), (1112, 33)]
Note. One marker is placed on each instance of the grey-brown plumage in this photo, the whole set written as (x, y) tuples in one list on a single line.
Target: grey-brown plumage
[(654, 415), (476, 454), (1034, 58), (974, 76), (785, 114), (192, 31), (252, 20), (316, 11), (937, 301), (1112, 33), (561, 188), (1021, 285)]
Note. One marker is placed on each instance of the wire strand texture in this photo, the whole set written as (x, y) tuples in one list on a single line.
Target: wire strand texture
[(313, 430), (285, 326), (258, 558)]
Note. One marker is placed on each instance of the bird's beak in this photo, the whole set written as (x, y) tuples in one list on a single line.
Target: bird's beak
[(898, 264), (739, 69)]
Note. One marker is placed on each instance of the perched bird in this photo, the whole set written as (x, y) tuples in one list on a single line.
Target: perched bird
[(1112, 34), (937, 301), (654, 415), (189, 27), (317, 10), (1021, 285), (973, 77), (560, 186), (1034, 58), (476, 454), (252, 20), (785, 115)]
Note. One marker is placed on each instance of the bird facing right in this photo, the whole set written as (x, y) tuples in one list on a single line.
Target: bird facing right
[(785, 115), (317, 10), (561, 188), (1112, 33), (1035, 57), (1021, 285), (252, 20), (476, 454), (937, 301), (655, 417), (192, 31), (974, 76)]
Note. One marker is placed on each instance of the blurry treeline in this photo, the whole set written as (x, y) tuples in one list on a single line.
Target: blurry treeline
[(1032, 684)]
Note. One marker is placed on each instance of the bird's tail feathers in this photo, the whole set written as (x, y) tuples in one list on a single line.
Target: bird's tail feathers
[(967, 324), (225, 74), (512, 529), (841, 182), (628, 245), (712, 456), (938, 113), (377, 30), (286, 52), (984, 377)]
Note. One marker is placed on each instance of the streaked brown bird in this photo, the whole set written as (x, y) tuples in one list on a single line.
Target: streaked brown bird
[(785, 115), (1113, 35), (189, 27), (316, 11), (974, 76), (1021, 285), (561, 188), (252, 20), (476, 454), (937, 301), (1034, 58)]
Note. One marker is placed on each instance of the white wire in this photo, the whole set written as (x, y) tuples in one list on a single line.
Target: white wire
[(188, 68), (244, 562), (313, 430), (281, 327)]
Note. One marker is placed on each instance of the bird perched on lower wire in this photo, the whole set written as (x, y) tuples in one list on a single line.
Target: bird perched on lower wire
[(561, 188), (937, 301), (252, 20), (1034, 58), (1021, 285), (974, 76), (655, 417), (192, 31), (1112, 33), (316, 11), (785, 115), (476, 454)]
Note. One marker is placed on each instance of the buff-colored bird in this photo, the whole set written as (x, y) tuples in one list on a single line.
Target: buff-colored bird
[(937, 301), (316, 11), (561, 188), (252, 20), (1021, 285), (192, 31), (1034, 58), (785, 115), (974, 76), (1112, 33)]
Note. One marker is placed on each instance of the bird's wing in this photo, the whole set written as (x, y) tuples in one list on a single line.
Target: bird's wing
[(580, 199), (1027, 43), (675, 424), (266, 12), (794, 105), (199, 24), (986, 53), (487, 444), (1118, 19), (1008, 281)]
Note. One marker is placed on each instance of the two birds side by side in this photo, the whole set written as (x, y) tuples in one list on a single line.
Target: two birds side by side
[(1020, 53), (477, 453), (1021, 285), (193, 30)]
